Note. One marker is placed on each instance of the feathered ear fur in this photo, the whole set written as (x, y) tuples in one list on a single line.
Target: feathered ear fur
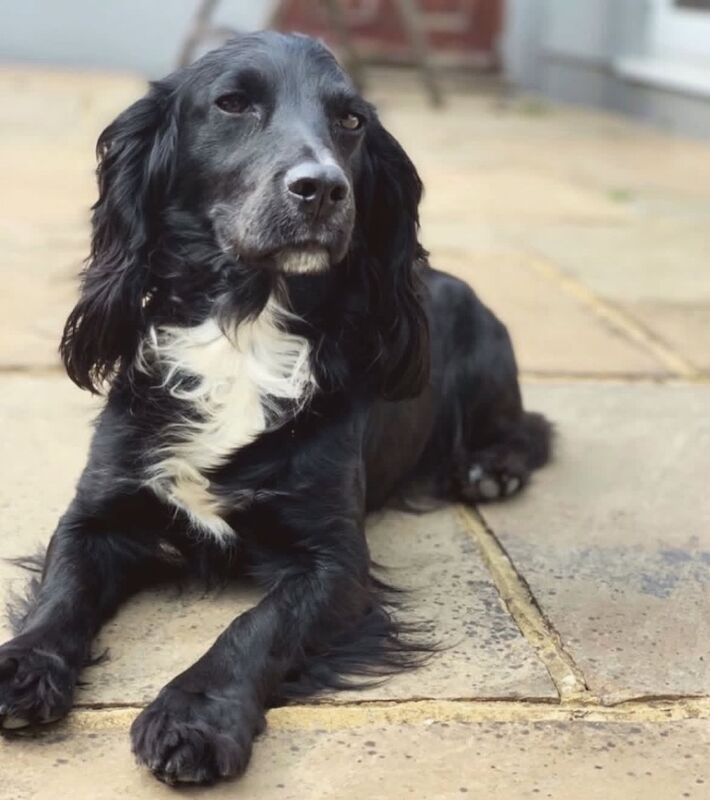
[(136, 156), (388, 195)]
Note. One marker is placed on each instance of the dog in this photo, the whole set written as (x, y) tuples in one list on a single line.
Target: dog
[(278, 359)]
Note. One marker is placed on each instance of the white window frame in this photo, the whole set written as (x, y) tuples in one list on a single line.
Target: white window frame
[(679, 33)]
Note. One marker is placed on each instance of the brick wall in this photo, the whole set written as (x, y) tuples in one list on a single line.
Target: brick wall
[(460, 30)]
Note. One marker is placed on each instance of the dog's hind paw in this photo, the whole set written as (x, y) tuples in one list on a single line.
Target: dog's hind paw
[(36, 686), (482, 486), (493, 476)]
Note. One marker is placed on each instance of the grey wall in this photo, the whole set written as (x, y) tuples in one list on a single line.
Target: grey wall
[(571, 50), (136, 35), (585, 33)]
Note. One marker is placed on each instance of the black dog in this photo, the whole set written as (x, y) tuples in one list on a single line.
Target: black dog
[(281, 358)]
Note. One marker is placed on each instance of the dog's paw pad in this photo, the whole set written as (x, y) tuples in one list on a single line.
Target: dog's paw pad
[(485, 485), (489, 488), (513, 485)]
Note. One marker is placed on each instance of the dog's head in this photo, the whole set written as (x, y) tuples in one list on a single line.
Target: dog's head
[(272, 134), (264, 151)]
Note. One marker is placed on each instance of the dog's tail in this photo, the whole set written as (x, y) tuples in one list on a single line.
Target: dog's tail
[(536, 436)]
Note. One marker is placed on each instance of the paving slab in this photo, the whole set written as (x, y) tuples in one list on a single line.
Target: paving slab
[(684, 325), (653, 258), (33, 312), (613, 538), (604, 154), (158, 634), (442, 760), (604, 166), (655, 269), (49, 122), (543, 318)]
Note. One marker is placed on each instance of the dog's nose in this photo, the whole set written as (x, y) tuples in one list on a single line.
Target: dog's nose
[(321, 187)]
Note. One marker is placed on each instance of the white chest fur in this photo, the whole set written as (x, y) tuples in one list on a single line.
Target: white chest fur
[(233, 383)]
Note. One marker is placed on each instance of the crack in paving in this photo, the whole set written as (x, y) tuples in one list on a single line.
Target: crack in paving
[(520, 602)]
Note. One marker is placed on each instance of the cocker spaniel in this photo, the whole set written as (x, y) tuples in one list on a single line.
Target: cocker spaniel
[(278, 358)]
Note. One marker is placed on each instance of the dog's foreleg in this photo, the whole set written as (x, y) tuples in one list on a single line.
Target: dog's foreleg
[(88, 570), (202, 724)]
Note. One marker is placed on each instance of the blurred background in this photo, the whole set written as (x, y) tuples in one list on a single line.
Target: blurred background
[(565, 148), (648, 58)]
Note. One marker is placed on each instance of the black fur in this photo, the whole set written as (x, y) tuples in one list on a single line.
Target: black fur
[(417, 394)]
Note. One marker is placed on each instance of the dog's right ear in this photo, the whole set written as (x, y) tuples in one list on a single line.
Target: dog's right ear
[(136, 155)]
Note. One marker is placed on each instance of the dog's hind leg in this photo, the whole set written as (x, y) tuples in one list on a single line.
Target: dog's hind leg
[(502, 468), (485, 445), (497, 444)]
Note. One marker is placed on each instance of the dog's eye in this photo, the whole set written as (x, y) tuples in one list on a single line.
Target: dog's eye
[(351, 122), (233, 103)]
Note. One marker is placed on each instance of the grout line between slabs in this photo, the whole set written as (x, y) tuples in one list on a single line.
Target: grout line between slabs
[(526, 376), (515, 593), (39, 370), (619, 320), (335, 717), (606, 378)]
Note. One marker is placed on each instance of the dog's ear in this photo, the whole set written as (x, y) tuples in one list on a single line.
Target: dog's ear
[(388, 194), (136, 155)]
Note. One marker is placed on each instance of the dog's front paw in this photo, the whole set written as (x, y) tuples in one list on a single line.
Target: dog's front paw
[(185, 737), (36, 685)]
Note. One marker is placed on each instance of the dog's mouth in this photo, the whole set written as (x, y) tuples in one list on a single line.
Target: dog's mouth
[(306, 258), (302, 259), (297, 252)]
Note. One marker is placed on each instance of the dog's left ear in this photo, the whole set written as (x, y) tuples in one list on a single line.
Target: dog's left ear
[(387, 195), (136, 155)]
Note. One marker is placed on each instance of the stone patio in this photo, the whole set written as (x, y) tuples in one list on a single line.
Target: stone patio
[(577, 617)]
